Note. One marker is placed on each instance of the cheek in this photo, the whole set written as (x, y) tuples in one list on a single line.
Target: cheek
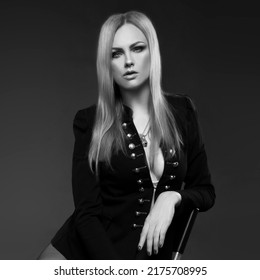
[(147, 62), (115, 69)]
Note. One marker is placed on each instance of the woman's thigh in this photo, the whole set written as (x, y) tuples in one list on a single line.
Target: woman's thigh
[(51, 253)]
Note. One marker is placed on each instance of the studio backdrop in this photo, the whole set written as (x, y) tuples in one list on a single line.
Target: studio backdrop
[(48, 73)]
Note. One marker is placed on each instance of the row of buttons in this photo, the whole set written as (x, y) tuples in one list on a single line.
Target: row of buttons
[(138, 213), (136, 170), (132, 146)]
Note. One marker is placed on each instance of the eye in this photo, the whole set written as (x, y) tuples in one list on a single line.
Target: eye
[(116, 54), (138, 48)]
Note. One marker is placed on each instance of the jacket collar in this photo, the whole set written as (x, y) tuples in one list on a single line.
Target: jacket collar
[(127, 113)]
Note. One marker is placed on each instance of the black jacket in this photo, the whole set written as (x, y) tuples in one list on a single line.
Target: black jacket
[(109, 215)]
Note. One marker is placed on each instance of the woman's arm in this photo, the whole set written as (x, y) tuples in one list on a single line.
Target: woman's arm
[(86, 193), (199, 191), (158, 221)]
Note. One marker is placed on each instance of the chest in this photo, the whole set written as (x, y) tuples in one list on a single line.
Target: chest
[(131, 170), (154, 158)]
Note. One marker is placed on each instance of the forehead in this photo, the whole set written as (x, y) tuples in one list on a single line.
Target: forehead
[(128, 34)]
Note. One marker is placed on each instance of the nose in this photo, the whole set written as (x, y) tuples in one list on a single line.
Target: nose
[(129, 61)]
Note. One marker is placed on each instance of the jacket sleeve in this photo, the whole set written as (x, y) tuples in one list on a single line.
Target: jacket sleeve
[(86, 194), (199, 191)]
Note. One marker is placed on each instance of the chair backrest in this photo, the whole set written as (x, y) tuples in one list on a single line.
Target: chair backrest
[(184, 225)]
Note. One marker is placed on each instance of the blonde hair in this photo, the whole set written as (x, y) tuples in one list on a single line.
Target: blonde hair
[(108, 134)]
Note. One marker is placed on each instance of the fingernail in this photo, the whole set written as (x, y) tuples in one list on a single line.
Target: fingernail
[(155, 252), (149, 253), (160, 245), (139, 248)]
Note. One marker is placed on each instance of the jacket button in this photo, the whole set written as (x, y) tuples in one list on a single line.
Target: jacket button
[(136, 225), (137, 213), (141, 189), (140, 181), (124, 125), (129, 135), (167, 187), (172, 177), (141, 201), (176, 163), (136, 170), (131, 146), (133, 155)]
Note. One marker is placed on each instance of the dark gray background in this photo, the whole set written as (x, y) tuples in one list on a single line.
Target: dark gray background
[(47, 72)]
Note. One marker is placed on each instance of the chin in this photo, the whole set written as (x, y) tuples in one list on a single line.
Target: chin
[(133, 85)]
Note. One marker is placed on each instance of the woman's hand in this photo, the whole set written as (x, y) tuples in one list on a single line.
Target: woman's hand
[(158, 221)]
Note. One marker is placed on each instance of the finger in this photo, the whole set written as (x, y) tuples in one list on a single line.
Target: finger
[(149, 240), (143, 236), (156, 236), (162, 236)]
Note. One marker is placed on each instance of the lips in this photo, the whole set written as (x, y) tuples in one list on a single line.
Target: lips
[(130, 73)]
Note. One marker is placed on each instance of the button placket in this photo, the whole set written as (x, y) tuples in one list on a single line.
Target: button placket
[(130, 136), (138, 144), (137, 151)]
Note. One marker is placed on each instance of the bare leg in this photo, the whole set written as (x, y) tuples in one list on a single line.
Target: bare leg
[(51, 253)]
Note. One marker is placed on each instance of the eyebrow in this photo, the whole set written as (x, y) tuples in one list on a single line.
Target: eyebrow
[(132, 45)]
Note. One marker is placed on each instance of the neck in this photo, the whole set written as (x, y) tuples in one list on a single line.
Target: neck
[(138, 99)]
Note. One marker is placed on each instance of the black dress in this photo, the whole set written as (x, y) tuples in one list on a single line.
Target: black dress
[(109, 214)]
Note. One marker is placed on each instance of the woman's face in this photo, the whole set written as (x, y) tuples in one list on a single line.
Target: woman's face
[(130, 52)]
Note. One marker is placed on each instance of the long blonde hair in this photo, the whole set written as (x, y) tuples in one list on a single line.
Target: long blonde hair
[(108, 135)]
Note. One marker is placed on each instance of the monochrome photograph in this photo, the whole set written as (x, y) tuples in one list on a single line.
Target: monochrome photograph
[(129, 130)]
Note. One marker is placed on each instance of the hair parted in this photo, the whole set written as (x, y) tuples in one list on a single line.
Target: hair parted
[(108, 134)]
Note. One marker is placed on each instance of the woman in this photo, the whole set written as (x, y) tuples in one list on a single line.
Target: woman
[(133, 154)]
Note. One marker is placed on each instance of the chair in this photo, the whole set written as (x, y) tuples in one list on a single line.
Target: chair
[(184, 225)]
